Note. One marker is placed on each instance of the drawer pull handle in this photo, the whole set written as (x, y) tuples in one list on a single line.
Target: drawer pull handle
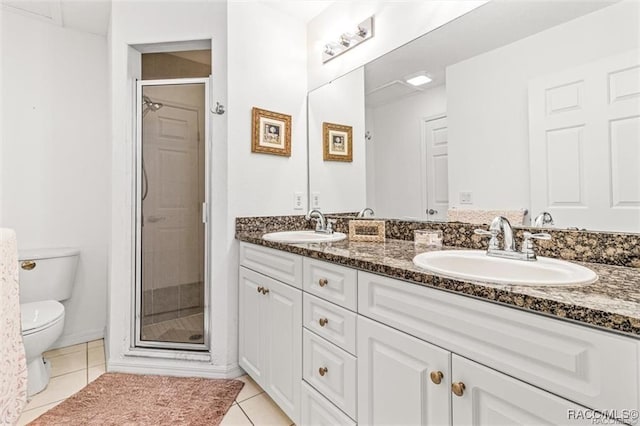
[(260, 289), (323, 281), (323, 370), (458, 388), (436, 377), (265, 290), (28, 265), (323, 321)]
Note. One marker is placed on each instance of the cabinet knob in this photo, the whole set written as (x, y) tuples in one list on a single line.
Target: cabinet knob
[(457, 388), (323, 370), (436, 377), (265, 290), (323, 321), (322, 282), (260, 289), (28, 265)]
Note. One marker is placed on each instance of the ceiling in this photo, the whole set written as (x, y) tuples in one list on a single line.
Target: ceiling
[(91, 16), (488, 27)]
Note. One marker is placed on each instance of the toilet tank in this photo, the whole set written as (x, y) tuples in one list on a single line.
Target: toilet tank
[(47, 274)]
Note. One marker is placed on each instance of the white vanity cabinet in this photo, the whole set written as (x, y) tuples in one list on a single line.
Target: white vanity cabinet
[(355, 347), (270, 322)]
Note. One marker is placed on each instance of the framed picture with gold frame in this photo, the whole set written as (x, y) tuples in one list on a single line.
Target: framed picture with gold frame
[(271, 132), (337, 142)]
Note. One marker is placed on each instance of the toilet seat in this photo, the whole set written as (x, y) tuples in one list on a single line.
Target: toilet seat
[(36, 316)]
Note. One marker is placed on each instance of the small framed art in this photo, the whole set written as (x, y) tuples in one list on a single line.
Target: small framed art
[(338, 142), (271, 132)]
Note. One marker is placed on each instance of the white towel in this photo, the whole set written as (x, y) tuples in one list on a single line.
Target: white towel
[(13, 363)]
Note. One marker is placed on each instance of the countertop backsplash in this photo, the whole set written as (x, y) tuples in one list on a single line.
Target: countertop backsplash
[(611, 248)]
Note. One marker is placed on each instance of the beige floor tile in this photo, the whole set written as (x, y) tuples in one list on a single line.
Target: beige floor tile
[(67, 363), (235, 417), (59, 388), (95, 343), (95, 372), (263, 411), (67, 350), (31, 415), (249, 390), (96, 356)]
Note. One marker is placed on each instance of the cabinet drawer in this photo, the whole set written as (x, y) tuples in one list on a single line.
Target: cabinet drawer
[(594, 368), (334, 283), (283, 266), (330, 321), (330, 370), (318, 411)]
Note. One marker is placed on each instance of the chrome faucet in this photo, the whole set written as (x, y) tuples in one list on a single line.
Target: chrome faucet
[(363, 212), (543, 219), (501, 225), (323, 225)]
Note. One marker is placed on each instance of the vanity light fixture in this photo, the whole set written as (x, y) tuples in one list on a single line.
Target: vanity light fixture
[(348, 40), (418, 79)]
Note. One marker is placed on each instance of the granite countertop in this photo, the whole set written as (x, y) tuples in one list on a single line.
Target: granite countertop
[(612, 302)]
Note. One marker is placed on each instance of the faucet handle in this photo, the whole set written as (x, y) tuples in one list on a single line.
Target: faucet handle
[(538, 236), (493, 233), (527, 243)]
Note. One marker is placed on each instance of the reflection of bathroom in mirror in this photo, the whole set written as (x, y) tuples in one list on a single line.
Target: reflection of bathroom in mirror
[(531, 106)]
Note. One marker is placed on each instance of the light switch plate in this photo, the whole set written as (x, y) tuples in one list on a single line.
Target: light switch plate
[(315, 200), (465, 198)]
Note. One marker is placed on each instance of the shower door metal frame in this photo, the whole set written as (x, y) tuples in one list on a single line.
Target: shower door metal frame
[(137, 326)]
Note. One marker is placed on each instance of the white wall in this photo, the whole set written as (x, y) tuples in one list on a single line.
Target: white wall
[(55, 162), (267, 69), (397, 160), (259, 59), (134, 23), (341, 185), (396, 23), (487, 102)]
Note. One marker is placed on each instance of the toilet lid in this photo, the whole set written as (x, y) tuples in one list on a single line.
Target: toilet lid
[(38, 315)]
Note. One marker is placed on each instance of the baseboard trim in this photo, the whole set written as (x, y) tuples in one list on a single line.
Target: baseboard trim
[(152, 366), (76, 338)]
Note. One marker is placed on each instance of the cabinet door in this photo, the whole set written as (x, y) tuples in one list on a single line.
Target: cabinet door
[(394, 383), (252, 314), (491, 398), (283, 347)]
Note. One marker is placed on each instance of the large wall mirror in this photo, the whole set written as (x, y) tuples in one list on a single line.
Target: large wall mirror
[(519, 107)]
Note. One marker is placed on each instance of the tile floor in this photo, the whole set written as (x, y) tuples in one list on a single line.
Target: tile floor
[(72, 368), (188, 329)]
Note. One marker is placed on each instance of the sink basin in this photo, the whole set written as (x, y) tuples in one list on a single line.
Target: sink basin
[(303, 237), (475, 265)]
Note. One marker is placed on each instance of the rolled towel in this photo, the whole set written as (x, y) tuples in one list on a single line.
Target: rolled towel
[(13, 362)]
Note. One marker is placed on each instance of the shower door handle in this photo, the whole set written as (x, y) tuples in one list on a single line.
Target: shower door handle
[(154, 219)]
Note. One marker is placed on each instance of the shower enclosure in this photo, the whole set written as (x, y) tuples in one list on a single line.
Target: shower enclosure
[(171, 199)]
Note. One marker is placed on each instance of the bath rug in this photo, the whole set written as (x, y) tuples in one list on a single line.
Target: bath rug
[(131, 399)]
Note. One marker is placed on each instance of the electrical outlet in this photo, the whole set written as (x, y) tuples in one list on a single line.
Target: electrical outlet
[(465, 198), (297, 201), (315, 200)]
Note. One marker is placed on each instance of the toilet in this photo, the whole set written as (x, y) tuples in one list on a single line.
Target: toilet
[(46, 278)]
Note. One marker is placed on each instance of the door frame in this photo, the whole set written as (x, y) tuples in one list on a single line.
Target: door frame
[(424, 185), (136, 328)]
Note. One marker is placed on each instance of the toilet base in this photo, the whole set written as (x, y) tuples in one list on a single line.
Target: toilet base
[(39, 372)]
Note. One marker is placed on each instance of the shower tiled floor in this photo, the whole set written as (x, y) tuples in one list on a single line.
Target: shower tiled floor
[(187, 329), (72, 368)]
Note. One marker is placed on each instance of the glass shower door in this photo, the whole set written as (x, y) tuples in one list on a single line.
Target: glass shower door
[(171, 228)]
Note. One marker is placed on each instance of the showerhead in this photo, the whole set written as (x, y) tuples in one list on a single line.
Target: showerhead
[(149, 105)]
